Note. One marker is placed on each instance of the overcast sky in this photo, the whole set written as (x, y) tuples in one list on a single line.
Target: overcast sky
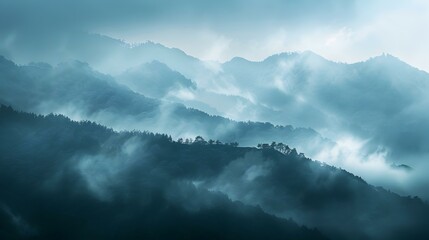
[(339, 30)]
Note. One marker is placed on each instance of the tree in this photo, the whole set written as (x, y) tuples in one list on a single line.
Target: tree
[(265, 146), (273, 144), (200, 140), (282, 148)]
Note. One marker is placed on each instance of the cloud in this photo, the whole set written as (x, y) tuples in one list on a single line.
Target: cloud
[(105, 172), (286, 89), (218, 49), (208, 30), (184, 24), (374, 110), (352, 154), (145, 184)]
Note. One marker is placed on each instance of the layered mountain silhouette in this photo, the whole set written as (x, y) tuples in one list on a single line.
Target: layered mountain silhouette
[(106, 139), (77, 91), (356, 97), (300, 89), (381, 101), (155, 80), (85, 180)]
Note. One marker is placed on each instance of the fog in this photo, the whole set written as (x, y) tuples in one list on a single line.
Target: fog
[(146, 184), (373, 121), (327, 101), (342, 31)]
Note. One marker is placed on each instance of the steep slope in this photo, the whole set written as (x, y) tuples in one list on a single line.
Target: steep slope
[(60, 177), (105, 54), (376, 108), (57, 182), (354, 98), (77, 91), (155, 80)]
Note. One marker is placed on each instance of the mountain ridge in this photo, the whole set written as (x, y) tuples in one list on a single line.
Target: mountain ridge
[(106, 167), (76, 90)]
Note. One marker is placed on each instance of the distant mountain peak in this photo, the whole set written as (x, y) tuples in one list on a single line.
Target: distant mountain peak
[(238, 60), (282, 55), (159, 46), (150, 43), (305, 55), (384, 58), (388, 60)]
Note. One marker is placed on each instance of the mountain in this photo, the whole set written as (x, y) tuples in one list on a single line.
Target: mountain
[(85, 180), (155, 80), (301, 89), (358, 98), (111, 56), (376, 109), (105, 54), (367, 107), (76, 191), (75, 90)]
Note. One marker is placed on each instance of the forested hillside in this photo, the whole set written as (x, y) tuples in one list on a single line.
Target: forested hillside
[(84, 179)]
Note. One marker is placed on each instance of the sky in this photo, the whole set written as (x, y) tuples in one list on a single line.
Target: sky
[(344, 31)]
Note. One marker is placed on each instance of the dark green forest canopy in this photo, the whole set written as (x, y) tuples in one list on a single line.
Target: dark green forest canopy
[(151, 198), (86, 175)]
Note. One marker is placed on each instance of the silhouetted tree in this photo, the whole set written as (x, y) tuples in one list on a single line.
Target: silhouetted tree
[(200, 140)]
